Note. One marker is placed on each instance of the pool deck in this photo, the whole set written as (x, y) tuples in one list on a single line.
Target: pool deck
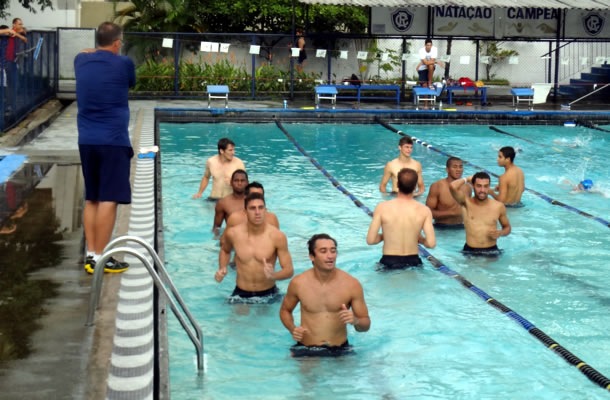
[(71, 360)]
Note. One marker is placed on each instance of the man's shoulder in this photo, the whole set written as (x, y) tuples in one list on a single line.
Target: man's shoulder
[(302, 278), (347, 280), (439, 184)]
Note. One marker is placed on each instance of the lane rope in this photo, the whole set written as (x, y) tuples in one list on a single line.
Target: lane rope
[(591, 125), (591, 373), (540, 195), (493, 128)]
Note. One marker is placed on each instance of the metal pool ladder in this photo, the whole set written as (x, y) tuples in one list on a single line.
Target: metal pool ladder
[(196, 336)]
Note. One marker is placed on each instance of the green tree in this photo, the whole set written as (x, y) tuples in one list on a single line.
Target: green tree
[(29, 5), (496, 55), (261, 16)]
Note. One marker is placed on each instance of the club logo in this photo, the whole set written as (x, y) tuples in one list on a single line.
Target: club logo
[(402, 19), (593, 23)]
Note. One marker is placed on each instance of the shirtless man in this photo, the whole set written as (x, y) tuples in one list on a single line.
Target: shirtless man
[(401, 221), (404, 160), (446, 211), (257, 246), (220, 167), (512, 182), (233, 202), (481, 215), (330, 299), (239, 217)]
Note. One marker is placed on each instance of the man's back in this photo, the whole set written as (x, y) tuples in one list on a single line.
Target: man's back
[(102, 83), (515, 181), (402, 221)]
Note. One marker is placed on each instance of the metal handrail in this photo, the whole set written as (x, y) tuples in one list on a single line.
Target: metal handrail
[(589, 94), (196, 338), (557, 48)]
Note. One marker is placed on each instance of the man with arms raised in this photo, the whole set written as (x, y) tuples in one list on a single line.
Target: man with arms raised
[(233, 202), (512, 181), (401, 221), (446, 212), (220, 167), (257, 246), (404, 160), (481, 215), (330, 299)]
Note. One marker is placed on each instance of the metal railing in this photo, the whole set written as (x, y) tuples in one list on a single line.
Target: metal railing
[(28, 76), (196, 336), (576, 57)]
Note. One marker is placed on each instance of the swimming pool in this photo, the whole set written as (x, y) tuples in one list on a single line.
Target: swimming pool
[(429, 336)]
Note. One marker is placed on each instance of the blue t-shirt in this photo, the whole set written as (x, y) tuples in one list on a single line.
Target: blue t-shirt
[(102, 83)]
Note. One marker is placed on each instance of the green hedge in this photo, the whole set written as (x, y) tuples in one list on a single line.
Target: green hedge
[(155, 76)]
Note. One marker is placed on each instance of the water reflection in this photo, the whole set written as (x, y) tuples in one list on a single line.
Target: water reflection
[(38, 206)]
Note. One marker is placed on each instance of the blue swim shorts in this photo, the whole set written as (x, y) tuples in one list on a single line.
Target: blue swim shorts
[(106, 171)]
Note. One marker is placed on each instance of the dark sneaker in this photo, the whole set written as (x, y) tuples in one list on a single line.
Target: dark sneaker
[(89, 264), (112, 266)]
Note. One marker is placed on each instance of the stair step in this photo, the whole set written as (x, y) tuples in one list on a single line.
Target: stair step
[(601, 70), (597, 78)]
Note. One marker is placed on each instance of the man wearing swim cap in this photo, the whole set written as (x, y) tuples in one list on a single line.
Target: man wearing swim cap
[(512, 181), (330, 300), (481, 215), (587, 184)]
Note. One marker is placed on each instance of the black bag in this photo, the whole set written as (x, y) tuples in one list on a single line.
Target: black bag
[(353, 80)]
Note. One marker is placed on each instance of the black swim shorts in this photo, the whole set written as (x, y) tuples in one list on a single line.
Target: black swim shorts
[(263, 296), (400, 262), (300, 350), (492, 251), (514, 205), (441, 226), (106, 171)]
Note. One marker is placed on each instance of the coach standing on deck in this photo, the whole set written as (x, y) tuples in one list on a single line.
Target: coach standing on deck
[(103, 79)]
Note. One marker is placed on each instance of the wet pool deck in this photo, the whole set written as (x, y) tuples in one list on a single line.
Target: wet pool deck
[(69, 360)]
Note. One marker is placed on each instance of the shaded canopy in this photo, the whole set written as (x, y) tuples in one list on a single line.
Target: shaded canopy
[(581, 4)]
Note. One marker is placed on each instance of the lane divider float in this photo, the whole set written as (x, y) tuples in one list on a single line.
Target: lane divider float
[(591, 373), (540, 195)]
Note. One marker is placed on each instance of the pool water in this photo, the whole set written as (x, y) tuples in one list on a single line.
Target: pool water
[(430, 338)]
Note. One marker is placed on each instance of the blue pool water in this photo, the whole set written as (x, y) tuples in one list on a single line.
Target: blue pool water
[(430, 337)]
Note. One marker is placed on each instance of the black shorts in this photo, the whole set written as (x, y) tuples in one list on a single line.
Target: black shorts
[(514, 205), (446, 227), (106, 171), (492, 251), (300, 350), (400, 262), (423, 75), (263, 296)]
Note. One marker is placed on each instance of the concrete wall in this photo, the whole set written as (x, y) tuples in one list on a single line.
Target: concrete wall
[(94, 13), (64, 14)]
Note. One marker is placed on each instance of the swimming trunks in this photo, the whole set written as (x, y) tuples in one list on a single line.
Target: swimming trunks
[(441, 226), (106, 171), (300, 350), (514, 205), (400, 262), (263, 296), (492, 251), (212, 199)]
